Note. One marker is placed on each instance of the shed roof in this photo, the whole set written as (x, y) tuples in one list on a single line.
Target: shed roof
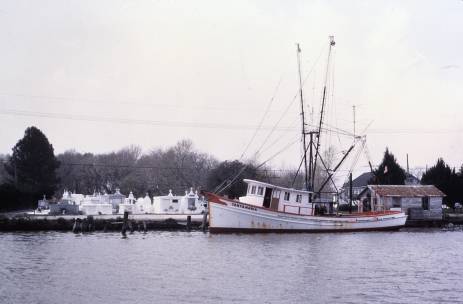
[(405, 190)]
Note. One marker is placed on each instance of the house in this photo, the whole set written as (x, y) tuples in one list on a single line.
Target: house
[(411, 179), (358, 185), (361, 182), (420, 202)]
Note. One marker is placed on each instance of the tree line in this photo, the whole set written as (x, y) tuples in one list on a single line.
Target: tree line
[(33, 171), (441, 175)]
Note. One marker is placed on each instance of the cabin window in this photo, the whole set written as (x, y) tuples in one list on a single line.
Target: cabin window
[(253, 190), (298, 198), (260, 191), (175, 201), (425, 203), (287, 196), (396, 202), (276, 193)]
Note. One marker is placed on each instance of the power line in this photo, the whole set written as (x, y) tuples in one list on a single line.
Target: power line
[(59, 99), (84, 164), (135, 121)]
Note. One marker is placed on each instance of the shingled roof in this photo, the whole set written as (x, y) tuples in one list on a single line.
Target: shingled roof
[(406, 190)]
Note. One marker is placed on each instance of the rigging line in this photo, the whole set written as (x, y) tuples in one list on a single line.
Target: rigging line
[(259, 166), (333, 101), (326, 167), (279, 138), (269, 105), (230, 183), (329, 128), (356, 159), (290, 103), (332, 43), (297, 172), (276, 125), (278, 153)]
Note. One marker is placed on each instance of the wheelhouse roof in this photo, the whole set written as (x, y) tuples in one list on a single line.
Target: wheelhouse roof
[(275, 187)]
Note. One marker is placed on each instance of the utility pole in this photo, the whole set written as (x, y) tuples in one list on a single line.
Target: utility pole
[(350, 192), (408, 169), (353, 109)]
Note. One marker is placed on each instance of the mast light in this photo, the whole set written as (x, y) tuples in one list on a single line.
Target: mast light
[(332, 41)]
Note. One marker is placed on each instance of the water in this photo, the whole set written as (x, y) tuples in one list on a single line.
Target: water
[(178, 267)]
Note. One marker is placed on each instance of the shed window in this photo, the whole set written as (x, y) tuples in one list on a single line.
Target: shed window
[(253, 190), (260, 191), (425, 202), (286, 196), (298, 198)]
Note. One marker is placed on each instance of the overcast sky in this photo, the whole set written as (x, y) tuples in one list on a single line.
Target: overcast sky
[(99, 75)]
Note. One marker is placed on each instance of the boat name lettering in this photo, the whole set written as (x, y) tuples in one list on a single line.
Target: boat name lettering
[(244, 206)]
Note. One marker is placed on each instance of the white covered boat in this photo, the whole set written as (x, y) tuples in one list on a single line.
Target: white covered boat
[(269, 208)]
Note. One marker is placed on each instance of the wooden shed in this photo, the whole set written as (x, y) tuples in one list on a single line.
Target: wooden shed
[(420, 202)]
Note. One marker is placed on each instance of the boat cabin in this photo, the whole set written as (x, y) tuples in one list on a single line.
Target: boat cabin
[(277, 198)]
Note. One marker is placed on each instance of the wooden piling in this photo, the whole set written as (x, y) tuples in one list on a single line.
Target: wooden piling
[(188, 223), (84, 225), (75, 227), (91, 223), (204, 223), (124, 224), (144, 227)]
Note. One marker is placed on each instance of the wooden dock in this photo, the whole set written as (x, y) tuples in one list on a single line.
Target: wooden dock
[(28, 222)]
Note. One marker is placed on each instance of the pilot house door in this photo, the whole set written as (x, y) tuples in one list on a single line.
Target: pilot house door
[(267, 197)]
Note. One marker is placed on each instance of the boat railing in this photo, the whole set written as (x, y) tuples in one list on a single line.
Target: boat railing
[(299, 208)]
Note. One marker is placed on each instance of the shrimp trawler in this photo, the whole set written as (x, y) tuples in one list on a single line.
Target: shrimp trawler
[(271, 208)]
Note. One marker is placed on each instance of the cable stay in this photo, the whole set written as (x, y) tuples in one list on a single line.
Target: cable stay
[(233, 180), (267, 109), (322, 111)]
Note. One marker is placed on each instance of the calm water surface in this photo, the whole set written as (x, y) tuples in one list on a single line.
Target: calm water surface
[(421, 266)]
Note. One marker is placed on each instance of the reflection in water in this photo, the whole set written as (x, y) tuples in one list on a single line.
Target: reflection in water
[(179, 267)]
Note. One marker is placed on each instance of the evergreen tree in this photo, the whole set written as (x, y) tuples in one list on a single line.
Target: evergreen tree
[(446, 179), (226, 172), (32, 166), (389, 171)]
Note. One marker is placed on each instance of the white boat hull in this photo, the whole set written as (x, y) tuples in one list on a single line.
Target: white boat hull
[(230, 216)]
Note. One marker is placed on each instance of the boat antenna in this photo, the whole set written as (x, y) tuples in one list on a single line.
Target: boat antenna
[(304, 145), (322, 111)]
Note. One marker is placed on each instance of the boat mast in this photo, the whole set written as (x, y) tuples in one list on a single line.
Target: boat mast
[(304, 145), (322, 111)]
